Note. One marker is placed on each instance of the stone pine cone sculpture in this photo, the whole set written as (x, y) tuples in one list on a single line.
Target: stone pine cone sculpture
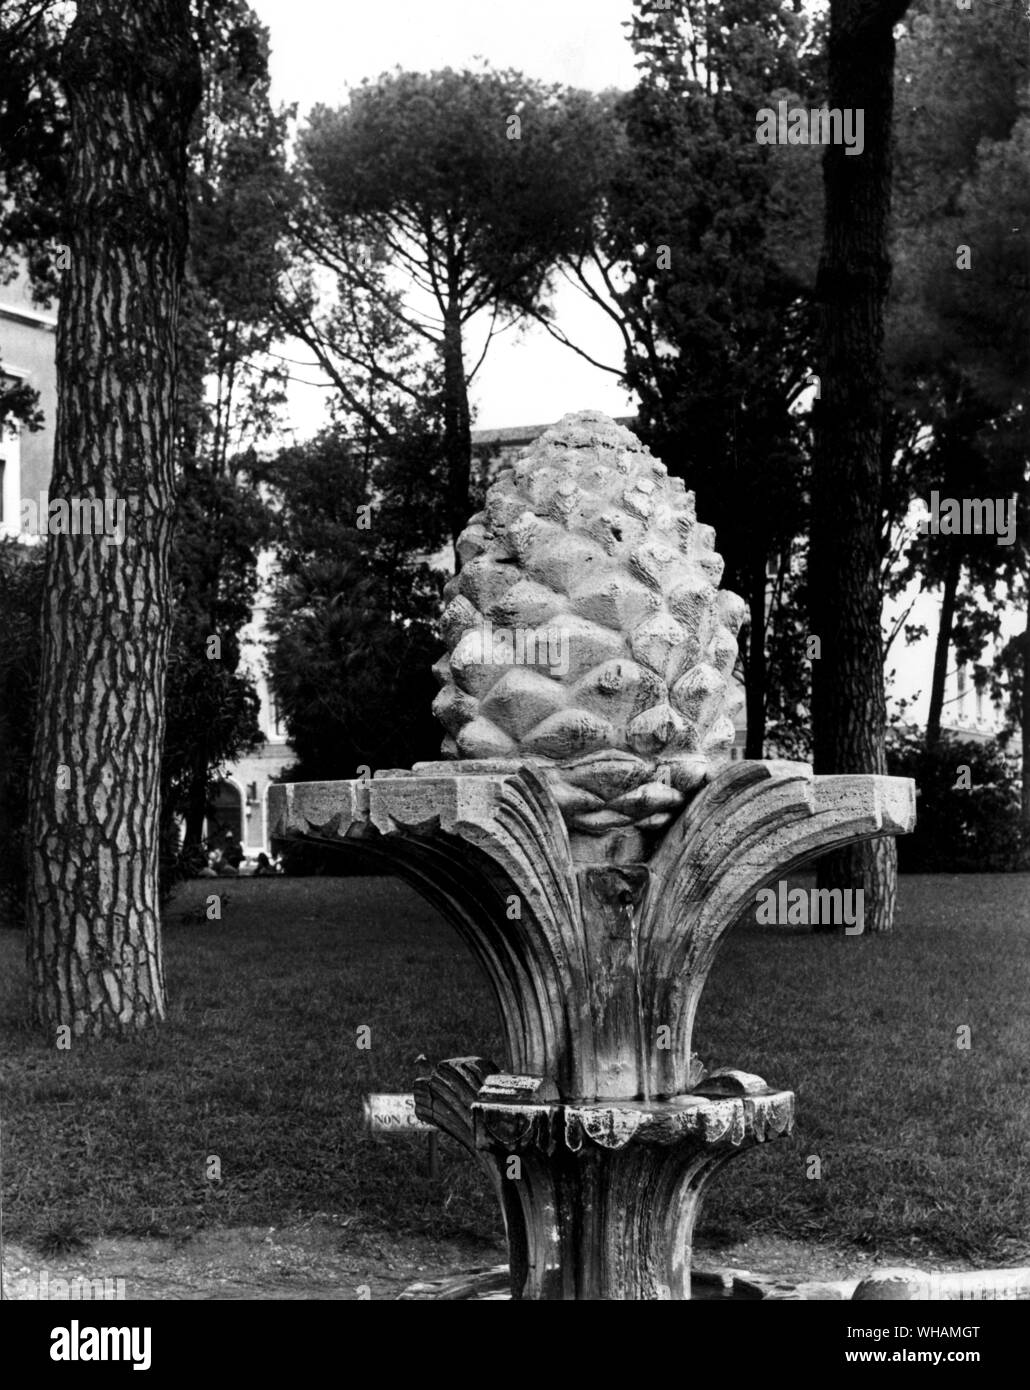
[(586, 631)]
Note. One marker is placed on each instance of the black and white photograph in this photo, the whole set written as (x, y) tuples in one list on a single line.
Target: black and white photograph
[(514, 672)]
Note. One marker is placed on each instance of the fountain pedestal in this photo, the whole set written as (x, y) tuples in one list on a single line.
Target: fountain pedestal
[(602, 1131), (600, 1199), (591, 843)]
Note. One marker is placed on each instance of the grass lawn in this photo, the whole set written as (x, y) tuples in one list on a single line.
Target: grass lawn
[(922, 1146)]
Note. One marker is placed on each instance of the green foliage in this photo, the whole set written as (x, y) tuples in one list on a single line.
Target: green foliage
[(239, 195), (703, 225), (720, 334), (355, 604), (34, 124), (957, 349), (32, 130), (1007, 681), (21, 598), (231, 391), (427, 161), (211, 707), (19, 403), (788, 717), (210, 710), (959, 828), (33, 134), (353, 683), (957, 354), (432, 199)]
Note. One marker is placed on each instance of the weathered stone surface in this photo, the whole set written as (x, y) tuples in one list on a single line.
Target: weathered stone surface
[(593, 975), (597, 980), (588, 537), (597, 799), (581, 1185), (493, 1285), (906, 1284), (444, 1096)]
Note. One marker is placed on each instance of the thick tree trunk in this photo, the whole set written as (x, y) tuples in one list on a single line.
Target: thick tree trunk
[(196, 798), (755, 686), (1025, 728), (848, 702), (11, 883), (132, 79), (457, 425), (943, 647)]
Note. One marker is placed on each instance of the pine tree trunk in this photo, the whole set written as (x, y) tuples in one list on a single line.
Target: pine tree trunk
[(457, 425), (132, 80), (197, 799), (1025, 729), (848, 701), (757, 672), (943, 647)]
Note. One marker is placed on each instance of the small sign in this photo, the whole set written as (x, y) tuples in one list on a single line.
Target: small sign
[(392, 1114)]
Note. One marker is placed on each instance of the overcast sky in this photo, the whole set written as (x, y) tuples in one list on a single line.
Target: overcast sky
[(322, 47)]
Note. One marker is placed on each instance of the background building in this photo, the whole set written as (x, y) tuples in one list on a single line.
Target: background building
[(26, 355)]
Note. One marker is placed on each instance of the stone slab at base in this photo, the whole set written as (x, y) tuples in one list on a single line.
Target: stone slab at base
[(745, 1286), (742, 1285), (492, 1285)]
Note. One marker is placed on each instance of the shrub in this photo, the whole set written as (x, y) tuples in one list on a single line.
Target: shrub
[(968, 809)]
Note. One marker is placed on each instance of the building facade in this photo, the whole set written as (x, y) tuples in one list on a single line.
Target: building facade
[(27, 334)]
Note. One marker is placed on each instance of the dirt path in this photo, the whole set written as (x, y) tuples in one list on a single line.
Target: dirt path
[(325, 1257), (318, 1259)]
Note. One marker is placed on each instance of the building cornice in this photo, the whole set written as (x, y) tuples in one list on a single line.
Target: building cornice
[(512, 435)]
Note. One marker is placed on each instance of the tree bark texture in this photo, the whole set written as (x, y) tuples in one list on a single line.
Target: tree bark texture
[(848, 701), (757, 667), (457, 426), (1025, 728), (942, 648), (132, 80)]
